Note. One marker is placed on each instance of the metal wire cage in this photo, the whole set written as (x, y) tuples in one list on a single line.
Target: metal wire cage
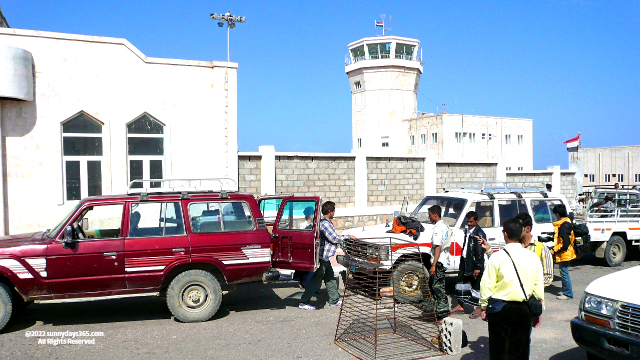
[(387, 309)]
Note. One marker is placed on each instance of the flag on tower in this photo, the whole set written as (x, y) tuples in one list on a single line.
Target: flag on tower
[(573, 144), (380, 23)]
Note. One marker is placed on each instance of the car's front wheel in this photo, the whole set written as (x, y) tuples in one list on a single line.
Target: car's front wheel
[(6, 305), (194, 296), (409, 280)]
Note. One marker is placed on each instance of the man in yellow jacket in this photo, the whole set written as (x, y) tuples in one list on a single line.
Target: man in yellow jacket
[(563, 248)]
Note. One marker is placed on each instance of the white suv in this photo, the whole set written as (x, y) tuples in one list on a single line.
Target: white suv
[(494, 202)]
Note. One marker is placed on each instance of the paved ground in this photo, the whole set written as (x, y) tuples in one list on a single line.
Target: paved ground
[(254, 322)]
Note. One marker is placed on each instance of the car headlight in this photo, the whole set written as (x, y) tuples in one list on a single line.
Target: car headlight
[(384, 252), (383, 255), (599, 305)]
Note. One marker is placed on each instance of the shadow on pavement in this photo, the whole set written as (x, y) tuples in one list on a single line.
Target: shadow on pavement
[(479, 349), (572, 354)]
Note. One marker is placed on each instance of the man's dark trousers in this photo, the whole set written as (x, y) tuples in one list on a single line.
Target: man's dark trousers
[(438, 292), (510, 332), (324, 272)]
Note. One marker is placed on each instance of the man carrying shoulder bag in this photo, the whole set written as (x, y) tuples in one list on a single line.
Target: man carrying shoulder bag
[(504, 291)]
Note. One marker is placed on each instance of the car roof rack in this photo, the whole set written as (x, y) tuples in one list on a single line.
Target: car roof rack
[(144, 187), (497, 187)]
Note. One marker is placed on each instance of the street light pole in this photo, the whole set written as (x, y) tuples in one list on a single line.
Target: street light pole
[(231, 24)]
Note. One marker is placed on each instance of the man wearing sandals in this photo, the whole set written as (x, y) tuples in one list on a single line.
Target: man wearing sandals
[(471, 264), (503, 293)]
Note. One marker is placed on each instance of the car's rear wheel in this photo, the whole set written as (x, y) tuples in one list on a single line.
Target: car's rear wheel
[(409, 280), (6, 305), (616, 251), (194, 296)]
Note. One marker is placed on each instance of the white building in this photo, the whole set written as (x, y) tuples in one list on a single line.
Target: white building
[(609, 165), (85, 115), (384, 74), (459, 137)]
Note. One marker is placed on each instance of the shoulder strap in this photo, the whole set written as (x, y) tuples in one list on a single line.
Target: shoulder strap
[(514, 266)]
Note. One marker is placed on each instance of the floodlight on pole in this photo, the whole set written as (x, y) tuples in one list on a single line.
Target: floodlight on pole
[(231, 24)]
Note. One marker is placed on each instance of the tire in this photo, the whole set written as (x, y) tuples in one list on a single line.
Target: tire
[(194, 296), (6, 305), (409, 280), (615, 251)]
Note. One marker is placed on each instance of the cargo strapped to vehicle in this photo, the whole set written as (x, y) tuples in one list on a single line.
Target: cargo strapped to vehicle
[(497, 187), (144, 187)]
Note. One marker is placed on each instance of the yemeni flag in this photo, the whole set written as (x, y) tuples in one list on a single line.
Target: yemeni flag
[(573, 144), (379, 23)]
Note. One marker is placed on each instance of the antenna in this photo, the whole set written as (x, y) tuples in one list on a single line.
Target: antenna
[(381, 24)]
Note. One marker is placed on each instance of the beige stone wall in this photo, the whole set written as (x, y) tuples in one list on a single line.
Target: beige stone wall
[(568, 185), (536, 177), (349, 222), (331, 178), (249, 174), (446, 172), (389, 180)]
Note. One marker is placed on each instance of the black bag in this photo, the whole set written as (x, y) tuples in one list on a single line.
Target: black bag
[(580, 230), (533, 303)]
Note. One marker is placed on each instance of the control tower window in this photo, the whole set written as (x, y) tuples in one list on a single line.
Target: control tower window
[(357, 53), (385, 144), (379, 51), (404, 51)]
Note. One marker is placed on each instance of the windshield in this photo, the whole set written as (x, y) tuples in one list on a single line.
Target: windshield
[(451, 208), (51, 233)]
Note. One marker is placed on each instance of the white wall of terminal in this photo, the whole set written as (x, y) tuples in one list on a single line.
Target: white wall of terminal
[(609, 165), (114, 83)]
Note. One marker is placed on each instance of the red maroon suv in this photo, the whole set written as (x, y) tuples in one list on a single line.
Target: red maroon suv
[(182, 245)]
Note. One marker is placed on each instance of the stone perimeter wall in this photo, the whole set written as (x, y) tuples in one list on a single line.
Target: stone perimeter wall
[(249, 174), (446, 172), (389, 180), (330, 178), (568, 185), (531, 177)]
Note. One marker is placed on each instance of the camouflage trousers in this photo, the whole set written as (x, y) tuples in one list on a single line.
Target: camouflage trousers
[(439, 302)]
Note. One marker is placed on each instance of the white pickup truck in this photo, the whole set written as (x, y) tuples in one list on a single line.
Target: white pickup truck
[(608, 321), (613, 231), (494, 202)]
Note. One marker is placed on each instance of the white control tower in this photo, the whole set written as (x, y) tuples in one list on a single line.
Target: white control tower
[(384, 74)]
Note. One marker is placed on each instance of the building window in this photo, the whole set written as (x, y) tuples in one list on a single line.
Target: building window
[(145, 149), (620, 177), (592, 177), (412, 140), (458, 137), (423, 139), (434, 138), (520, 168), (520, 139), (385, 144), (357, 85), (483, 136), (472, 138), (508, 168), (507, 139), (359, 143), (607, 177), (490, 137), (637, 178), (82, 156)]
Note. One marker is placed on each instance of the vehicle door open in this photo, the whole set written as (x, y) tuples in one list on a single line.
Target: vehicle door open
[(295, 240)]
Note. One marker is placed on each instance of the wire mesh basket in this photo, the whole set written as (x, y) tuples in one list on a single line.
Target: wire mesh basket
[(387, 309)]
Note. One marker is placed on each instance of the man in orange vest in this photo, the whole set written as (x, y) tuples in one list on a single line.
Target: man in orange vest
[(563, 241)]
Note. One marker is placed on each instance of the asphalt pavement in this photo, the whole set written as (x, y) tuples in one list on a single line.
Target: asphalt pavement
[(255, 321)]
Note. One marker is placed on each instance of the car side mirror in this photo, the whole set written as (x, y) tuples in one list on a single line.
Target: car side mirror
[(67, 240)]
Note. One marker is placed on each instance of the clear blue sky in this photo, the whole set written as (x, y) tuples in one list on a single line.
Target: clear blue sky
[(570, 65)]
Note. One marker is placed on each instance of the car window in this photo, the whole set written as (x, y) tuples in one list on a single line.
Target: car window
[(543, 210), (510, 209), (452, 208), (101, 221), (269, 209), (298, 215), (150, 219), (484, 209), (220, 216)]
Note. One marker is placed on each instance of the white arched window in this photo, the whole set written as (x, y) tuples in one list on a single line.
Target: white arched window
[(82, 156), (145, 149)]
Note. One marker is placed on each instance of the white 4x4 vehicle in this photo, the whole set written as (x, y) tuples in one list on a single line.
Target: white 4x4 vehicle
[(494, 202), (608, 322)]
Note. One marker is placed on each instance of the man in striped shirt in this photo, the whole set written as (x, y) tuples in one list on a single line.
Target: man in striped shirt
[(329, 239)]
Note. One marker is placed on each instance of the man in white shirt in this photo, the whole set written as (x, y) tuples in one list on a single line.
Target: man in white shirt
[(439, 263)]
